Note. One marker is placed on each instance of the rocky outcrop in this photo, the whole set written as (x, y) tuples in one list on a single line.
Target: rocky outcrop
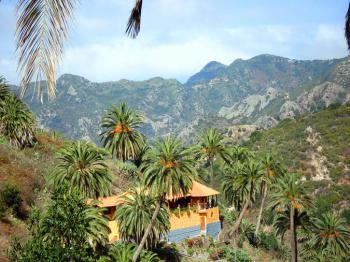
[(322, 96), (241, 133), (317, 162)]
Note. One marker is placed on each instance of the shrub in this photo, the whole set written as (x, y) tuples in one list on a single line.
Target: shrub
[(246, 233), (195, 242), (216, 254), (229, 216), (230, 254), (268, 241), (237, 255), (10, 197), (346, 215), (2, 209), (121, 251), (190, 251)]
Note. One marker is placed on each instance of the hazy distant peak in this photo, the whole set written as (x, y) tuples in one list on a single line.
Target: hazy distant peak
[(212, 65), (210, 70)]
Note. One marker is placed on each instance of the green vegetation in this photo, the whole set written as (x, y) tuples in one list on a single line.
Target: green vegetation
[(212, 147), (168, 169), (133, 218), (322, 136), (82, 166), (268, 212), (240, 184), (120, 134), (10, 198), (17, 122), (64, 232)]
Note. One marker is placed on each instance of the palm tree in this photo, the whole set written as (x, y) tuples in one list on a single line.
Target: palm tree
[(4, 91), (211, 147), (168, 169), (288, 192), (239, 153), (42, 28), (331, 235), (123, 252), (133, 217), (98, 229), (17, 123), (120, 134), (281, 222), (242, 184), (273, 171), (82, 166), (233, 192)]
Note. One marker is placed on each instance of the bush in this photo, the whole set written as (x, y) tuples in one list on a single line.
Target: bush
[(230, 254), (2, 209), (346, 215), (10, 197), (216, 254), (268, 241), (195, 242), (237, 255), (229, 216), (190, 251)]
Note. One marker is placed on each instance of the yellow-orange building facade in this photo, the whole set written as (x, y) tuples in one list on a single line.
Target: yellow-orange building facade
[(192, 215)]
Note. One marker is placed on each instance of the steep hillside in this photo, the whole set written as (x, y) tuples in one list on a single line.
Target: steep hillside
[(317, 146), (262, 91), (27, 171)]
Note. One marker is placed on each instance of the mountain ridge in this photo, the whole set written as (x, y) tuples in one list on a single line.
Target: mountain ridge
[(262, 90)]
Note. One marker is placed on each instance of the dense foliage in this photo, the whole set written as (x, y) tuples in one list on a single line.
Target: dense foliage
[(135, 214), (120, 134), (82, 166)]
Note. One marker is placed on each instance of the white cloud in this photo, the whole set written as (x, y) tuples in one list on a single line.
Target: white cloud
[(178, 54), (125, 58)]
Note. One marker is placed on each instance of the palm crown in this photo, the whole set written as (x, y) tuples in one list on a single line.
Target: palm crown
[(135, 214), (212, 146), (331, 235), (120, 134), (288, 192), (168, 168), (82, 166), (17, 123), (4, 91)]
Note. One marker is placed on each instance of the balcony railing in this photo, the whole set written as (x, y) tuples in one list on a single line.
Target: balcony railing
[(206, 205)]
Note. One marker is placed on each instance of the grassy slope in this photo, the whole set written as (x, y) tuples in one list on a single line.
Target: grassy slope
[(28, 170), (331, 135)]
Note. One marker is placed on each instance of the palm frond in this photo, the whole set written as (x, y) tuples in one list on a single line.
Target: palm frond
[(134, 22), (347, 27), (42, 26)]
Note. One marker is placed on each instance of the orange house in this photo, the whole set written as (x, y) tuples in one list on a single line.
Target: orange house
[(191, 215)]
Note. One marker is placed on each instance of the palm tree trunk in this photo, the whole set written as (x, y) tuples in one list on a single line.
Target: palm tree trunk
[(293, 242), (240, 217), (148, 230), (211, 166), (260, 213)]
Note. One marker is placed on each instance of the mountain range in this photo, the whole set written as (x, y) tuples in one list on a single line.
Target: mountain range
[(260, 91)]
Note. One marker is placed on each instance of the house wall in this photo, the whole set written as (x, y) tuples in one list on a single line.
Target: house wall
[(114, 235), (184, 224), (213, 229)]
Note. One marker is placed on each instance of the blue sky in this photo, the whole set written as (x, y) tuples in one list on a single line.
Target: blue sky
[(178, 37)]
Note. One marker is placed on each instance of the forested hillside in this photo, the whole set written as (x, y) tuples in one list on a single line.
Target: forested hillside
[(317, 147)]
